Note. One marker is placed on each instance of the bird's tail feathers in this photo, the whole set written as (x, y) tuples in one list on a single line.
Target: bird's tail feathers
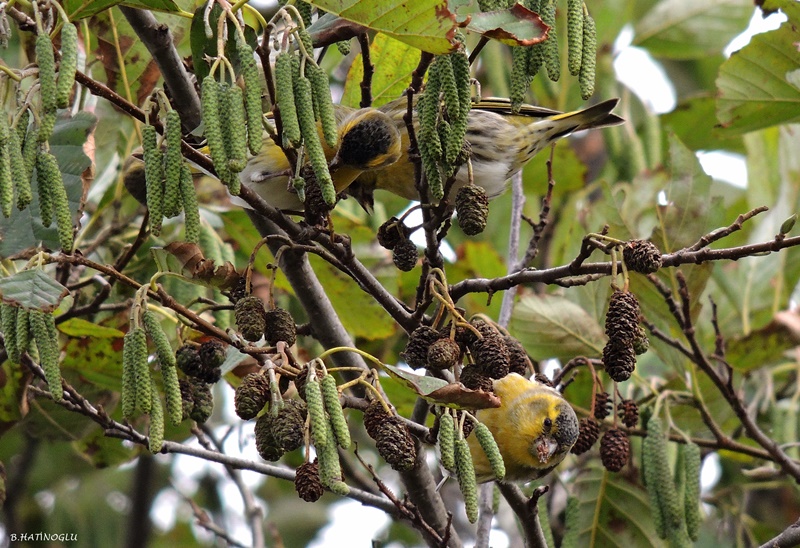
[(596, 116)]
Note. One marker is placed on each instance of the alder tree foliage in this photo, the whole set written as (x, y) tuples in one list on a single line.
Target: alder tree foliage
[(189, 359)]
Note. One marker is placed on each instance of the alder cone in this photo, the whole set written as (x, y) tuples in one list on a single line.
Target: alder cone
[(588, 432), (614, 450)]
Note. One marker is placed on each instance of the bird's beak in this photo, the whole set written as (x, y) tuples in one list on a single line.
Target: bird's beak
[(546, 447)]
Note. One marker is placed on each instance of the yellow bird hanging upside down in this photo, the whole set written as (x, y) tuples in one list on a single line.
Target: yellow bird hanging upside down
[(373, 149), (534, 428)]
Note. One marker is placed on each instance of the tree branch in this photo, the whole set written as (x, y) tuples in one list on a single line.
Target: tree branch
[(157, 38)]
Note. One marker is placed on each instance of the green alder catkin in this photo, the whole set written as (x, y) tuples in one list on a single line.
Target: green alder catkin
[(29, 149), (449, 89), (322, 99), (23, 337), (69, 64), (5, 129), (50, 174), (330, 396), (172, 393), (544, 521), (234, 124), (166, 356), (691, 494), (44, 332), (316, 412), (465, 472), (305, 13), (128, 392), (650, 446), (571, 524), (344, 47), (330, 471), (173, 160), (190, 208), (587, 71), (252, 97), (428, 140), (285, 99), (138, 348), (8, 324), (313, 146), (520, 80), (154, 177), (447, 438), (458, 124), (574, 35), (19, 173), (489, 446), (47, 122), (156, 431), (660, 483), (210, 103), (45, 180), (47, 71), (6, 181), (552, 60)]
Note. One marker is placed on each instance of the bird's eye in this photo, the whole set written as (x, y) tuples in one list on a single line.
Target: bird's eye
[(547, 423)]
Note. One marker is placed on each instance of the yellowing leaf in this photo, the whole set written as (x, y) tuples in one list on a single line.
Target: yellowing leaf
[(394, 62), (424, 24)]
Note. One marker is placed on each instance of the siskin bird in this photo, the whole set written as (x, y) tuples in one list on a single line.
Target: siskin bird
[(500, 144), (368, 140), (534, 428)]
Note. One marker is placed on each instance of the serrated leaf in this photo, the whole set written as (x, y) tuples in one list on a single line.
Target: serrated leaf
[(613, 512), (78, 327), (123, 58), (427, 25), (359, 313), (690, 211), (32, 289), (439, 391), (554, 327), (694, 121), (24, 229), (80, 9), (759, 86), (764, 346), (691, 29), (516, 26), (789, 7), (394, 62)]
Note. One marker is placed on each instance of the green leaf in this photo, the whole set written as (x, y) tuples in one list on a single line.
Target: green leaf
[(693, 120), (32, 289), (79, 9), (394, 62), (613, 512), (690, 211), (516, 26), (789, 7), (78, 327), (24, 229), (759, 86), (554, 327), (424, 24), (764, 346), (359, 313), (690, 29)]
